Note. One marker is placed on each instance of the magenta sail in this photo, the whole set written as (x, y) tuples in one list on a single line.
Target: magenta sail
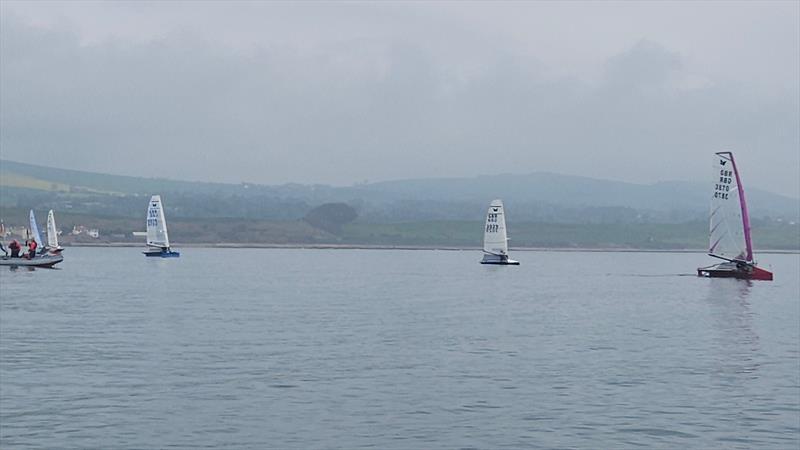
[(743, 205)]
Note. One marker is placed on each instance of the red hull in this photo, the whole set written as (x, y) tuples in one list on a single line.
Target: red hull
[(751, 273)]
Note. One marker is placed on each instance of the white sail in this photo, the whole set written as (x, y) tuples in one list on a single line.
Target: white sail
[(52, 233), (35, 230), (156, 224), (729, 227), (495, 240)]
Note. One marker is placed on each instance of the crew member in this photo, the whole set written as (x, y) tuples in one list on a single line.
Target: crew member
[(32, 249), (15, 248)]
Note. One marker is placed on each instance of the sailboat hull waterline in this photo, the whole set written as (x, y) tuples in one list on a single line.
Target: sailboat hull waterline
[(499, 262), (162, 253), (733, 270), (729, 226), (41, 261)]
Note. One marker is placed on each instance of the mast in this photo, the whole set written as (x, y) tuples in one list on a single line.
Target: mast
[(745, 215)]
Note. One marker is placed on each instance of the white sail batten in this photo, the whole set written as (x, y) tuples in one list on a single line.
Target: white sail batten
[(495, 239), (35, 230), (156, 224), (728, 224), (52, 233)]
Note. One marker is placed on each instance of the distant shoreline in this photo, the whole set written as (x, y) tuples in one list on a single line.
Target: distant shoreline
[(412, 247)]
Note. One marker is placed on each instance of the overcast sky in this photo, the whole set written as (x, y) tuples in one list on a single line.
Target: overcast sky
[(322, 92)]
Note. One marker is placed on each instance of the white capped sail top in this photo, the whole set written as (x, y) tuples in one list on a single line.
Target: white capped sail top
[(495, 240), (729, 226), (52, 233), (156, 224), (35, 230)]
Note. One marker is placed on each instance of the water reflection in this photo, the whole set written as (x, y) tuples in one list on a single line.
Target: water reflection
[(736, 338), (29, 268), (21, 268)]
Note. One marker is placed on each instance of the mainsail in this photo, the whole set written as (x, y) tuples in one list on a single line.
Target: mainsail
[(156, 224), (35, 230), (495, 240), (52, 233), (729, 228)]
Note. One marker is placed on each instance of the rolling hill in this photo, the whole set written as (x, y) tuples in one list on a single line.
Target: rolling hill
[(544, 210), (533, 197)]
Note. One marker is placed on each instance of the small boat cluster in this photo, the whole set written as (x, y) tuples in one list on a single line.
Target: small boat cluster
[(729, 232), (35, 252)]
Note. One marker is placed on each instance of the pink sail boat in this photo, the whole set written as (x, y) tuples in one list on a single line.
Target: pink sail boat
[(729, 229)]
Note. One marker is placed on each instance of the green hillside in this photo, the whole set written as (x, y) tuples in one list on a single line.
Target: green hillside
[(15, 174), (535, 197), (465, 234), (437, 212)]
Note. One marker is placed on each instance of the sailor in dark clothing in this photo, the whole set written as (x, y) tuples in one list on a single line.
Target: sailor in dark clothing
[(15, 248)]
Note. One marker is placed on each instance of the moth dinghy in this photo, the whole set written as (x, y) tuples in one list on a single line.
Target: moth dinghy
[(729, 227), (52, 234), (157, 236), (495, 238)]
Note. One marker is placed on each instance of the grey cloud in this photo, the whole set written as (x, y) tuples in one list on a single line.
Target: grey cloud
[(646, 64), (373, 107)]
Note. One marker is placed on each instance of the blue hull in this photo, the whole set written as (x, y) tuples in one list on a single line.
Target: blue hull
[(169, 254)]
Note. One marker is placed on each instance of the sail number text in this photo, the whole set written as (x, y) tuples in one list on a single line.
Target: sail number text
[(491, 223), (723, 187), (152, 218)]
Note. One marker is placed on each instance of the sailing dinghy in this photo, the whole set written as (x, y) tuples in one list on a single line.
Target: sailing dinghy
[(157, 237), (35, 235), (52, 234), (729, 228), (495, 239)]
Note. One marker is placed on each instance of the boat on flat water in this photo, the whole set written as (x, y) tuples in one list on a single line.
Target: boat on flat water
[(157, 236), (729, 226), (46, 257), (495, 237), (52, 234), (41, 261)]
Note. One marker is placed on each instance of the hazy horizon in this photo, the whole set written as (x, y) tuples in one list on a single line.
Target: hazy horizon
[(513, 177), (342, 93)]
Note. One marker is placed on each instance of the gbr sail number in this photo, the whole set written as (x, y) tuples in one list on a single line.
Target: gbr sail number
[(723, 186)]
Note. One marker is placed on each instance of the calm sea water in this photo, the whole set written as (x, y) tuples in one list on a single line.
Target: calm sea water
[(397, 350)]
